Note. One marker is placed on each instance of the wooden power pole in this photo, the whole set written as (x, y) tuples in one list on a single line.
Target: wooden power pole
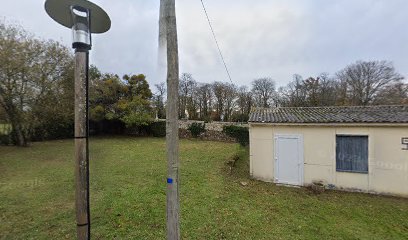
[(162, 37), (81, 145), (168, 11)]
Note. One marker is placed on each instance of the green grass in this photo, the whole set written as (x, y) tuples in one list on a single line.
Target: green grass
[(128, 197)]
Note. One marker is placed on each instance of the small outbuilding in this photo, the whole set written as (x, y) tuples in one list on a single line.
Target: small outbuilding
[(352, 148)]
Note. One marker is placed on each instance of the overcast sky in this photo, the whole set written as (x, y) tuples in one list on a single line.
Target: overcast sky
[(259, 38)]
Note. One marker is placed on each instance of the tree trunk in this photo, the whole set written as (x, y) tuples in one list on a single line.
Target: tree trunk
[(15, 122), (21, 140), (17, 130)]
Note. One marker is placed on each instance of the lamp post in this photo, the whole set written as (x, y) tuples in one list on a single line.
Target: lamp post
[(84, 18)]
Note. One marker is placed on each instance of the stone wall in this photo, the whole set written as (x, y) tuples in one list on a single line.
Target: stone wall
[(213, 130), (212, 126)]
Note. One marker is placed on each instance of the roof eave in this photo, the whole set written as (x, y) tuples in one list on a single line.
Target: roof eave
[(332, 124)]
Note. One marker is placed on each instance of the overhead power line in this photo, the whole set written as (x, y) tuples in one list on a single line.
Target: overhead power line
[(216, 41)]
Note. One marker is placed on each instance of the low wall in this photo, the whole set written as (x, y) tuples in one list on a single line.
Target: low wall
[(212, 126), (213, 130)]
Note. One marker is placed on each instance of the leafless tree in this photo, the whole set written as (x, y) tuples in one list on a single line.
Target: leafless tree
[(204, 94), (365, 79), (393, 94), (294, 94), (328, 94), (192, 106), (230, 98), (224, 100), (244, 100), (313, 91), (187, 86), (219, 91), (320, 91), (159, 99), (263, 90)]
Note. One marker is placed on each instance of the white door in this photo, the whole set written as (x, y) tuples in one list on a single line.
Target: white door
[(289, 159)]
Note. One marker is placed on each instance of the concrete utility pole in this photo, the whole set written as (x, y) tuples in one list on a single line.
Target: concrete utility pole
[(168, 11)]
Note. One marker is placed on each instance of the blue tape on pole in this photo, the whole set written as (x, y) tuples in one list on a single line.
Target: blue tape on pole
[(169, 180)]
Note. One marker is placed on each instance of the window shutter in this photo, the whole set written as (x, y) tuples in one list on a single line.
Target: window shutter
[(352, 153)]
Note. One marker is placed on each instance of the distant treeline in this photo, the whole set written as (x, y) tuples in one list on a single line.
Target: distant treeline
[(37, 92), (361, 83)]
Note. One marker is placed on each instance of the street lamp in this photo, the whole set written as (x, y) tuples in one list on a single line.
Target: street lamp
[(81, 37), (84, 18)]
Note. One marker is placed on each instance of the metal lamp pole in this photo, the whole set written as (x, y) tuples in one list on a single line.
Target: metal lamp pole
[(78, 15)]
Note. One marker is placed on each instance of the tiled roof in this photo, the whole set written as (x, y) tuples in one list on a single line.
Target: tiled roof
[(346, 114)]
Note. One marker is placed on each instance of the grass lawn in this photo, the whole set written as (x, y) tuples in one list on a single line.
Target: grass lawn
[(128, 182)]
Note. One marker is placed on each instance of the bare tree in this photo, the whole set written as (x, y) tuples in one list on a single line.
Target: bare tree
[(159, 99), (219, 99), (313, 91), (393, 94), (244, 100), (186, 88), (320, 91), (263, 90), (328, 94), (294, 94), (204, 94), (364, 80), (230, 91)]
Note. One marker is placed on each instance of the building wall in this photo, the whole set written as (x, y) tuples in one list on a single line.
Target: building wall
[(388, 163)]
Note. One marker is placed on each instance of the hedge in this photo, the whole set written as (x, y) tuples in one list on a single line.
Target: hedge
[(158, 129), (196, 129), (241, 134)]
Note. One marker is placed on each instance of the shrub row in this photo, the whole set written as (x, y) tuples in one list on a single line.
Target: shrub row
[(241, 134), (158, 129), (196, 129), (52, 130), (41, 133), (55, 131), (6, 140)]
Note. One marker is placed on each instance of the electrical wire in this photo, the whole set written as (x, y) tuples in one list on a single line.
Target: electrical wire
[(216, 41)]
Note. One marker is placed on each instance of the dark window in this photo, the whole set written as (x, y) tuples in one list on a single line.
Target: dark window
[(352, 154)]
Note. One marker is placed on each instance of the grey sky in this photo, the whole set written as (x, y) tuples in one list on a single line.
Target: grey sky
[(273, 38)]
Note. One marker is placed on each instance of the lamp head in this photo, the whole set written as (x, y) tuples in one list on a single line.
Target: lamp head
[(82, 16), (81, 36)]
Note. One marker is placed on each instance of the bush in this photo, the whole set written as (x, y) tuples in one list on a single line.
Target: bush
[(5, 140), (158, 129), (52, 129), (8, 139), (241, 134), (237, 117), (107, 127), (196, 129)]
